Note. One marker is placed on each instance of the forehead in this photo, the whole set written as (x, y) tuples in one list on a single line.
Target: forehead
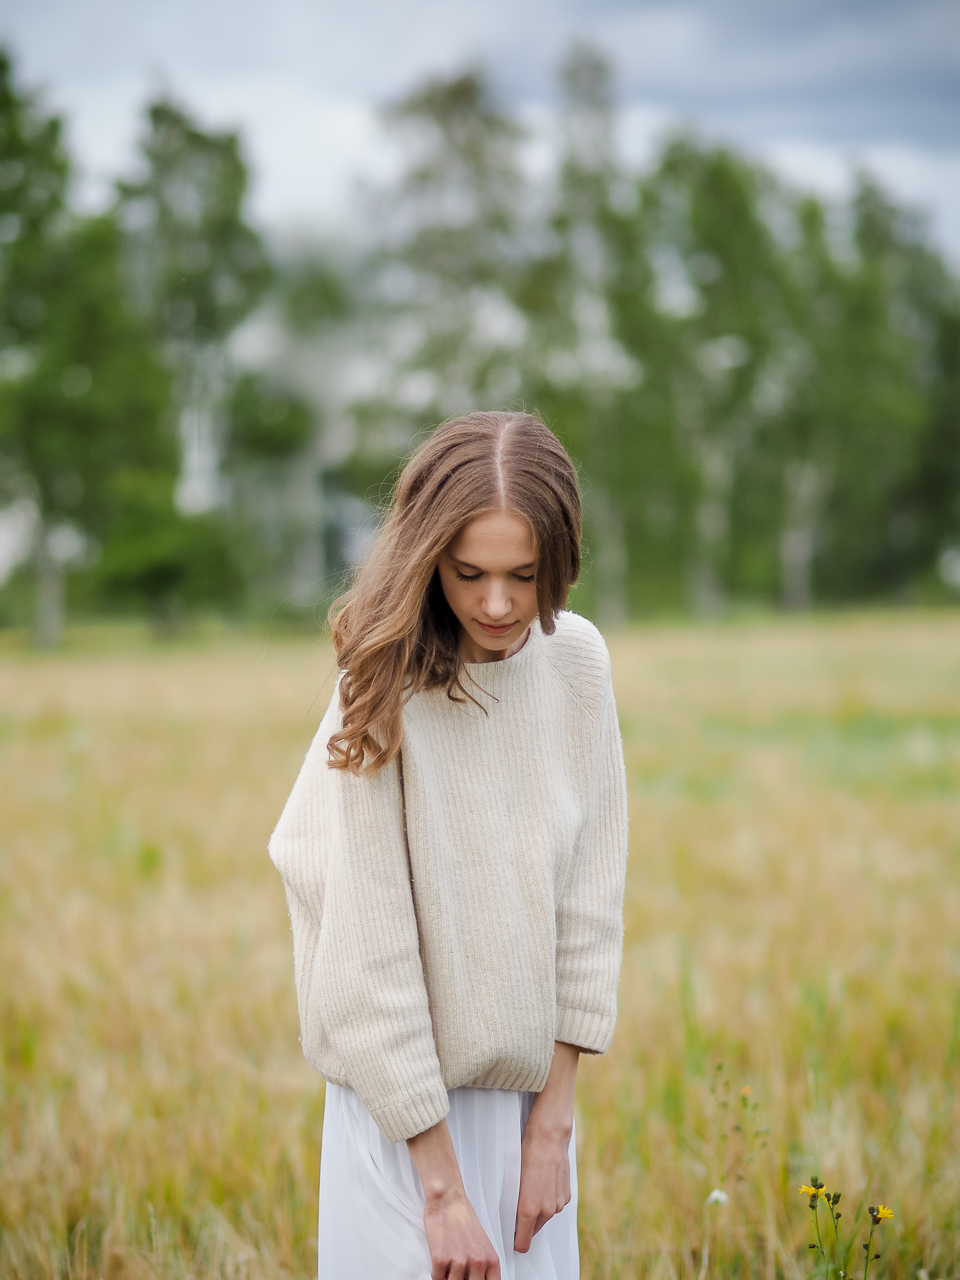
[(497, 539)]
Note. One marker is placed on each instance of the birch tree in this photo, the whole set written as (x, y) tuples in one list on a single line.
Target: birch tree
[(196, 270), (576, 369), (451, 227), (84, 395)]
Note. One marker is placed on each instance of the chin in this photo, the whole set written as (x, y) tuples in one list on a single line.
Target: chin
[(495, 642)]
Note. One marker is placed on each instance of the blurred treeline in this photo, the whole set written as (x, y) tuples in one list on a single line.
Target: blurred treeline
[(762, 389)]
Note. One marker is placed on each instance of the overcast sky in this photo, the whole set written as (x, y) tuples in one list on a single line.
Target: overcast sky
[(815, 86)]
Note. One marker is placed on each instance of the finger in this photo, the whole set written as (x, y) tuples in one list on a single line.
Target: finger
[(526, 1225), (439, 1271)]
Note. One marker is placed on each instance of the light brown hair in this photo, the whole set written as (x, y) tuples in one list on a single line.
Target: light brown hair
[(393, 631)]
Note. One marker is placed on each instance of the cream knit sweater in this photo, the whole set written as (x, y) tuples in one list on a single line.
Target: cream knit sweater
[(456, 913)]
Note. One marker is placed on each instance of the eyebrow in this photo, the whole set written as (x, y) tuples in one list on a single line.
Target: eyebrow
[(465, 564)]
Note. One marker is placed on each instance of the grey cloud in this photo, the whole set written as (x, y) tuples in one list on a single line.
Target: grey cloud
[(849, 75)]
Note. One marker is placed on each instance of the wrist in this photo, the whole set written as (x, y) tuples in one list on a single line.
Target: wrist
[(551, 1120), (438, 1192), (436, 1164)]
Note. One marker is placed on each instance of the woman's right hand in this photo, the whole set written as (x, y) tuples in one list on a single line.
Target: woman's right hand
[(459, 1247)]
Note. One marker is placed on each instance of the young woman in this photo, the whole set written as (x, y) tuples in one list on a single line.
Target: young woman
[(453, 853)]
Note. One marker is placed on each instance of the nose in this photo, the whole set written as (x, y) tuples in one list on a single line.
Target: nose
[(497, 604)]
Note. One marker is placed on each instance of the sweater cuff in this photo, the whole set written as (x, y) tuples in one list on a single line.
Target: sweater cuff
[(402, 1120), (590, 1032)]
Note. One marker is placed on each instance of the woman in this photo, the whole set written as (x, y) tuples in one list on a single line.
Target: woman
[(453, 853)]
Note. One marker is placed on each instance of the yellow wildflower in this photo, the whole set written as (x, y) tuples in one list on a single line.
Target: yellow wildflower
[(746, 1091), (817, 1191), (884, 1212)]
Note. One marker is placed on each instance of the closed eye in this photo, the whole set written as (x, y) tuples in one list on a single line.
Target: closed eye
[(475, 577)]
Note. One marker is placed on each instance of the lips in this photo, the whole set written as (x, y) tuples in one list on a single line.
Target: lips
[(497, 631)]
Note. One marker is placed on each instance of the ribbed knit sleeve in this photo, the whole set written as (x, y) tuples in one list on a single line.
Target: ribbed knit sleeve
[(590, 907), (341, 850)]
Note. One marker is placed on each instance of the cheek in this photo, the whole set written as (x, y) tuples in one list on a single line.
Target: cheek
[(454, 591)]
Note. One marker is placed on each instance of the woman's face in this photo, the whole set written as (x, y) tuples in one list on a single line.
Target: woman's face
[(488, 576)]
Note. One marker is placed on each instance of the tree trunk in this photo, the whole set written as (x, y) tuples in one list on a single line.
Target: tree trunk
[(48, 619), (805, 486), (200, 389), (610, 561), (715, 462)]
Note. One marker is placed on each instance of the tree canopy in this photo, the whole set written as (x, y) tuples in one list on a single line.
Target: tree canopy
[(761, 388)]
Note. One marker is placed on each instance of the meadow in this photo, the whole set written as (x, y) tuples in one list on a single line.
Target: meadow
[(790, 1003)]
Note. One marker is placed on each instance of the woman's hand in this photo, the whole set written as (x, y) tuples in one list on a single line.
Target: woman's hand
[(545, 1153), (544, 1180), (459, 1247)]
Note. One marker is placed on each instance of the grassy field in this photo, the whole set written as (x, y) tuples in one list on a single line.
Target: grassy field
[(793, 928)]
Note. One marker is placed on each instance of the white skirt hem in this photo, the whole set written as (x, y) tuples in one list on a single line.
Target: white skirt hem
[(371, 1201)]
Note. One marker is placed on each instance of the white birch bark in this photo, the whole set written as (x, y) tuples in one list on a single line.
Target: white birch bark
[(50, 591), (804, 489)]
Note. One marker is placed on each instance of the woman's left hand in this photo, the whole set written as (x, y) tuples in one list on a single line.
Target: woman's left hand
[(544, 1180), (545, 1152)]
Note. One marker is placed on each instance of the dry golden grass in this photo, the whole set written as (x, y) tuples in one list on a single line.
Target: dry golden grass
[(793, 913)]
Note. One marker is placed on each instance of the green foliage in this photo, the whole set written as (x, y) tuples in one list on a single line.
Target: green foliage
[(33, 178), (266, 422), (158, 559), (198, 269), (861, 398), (761, 390), (458, 193), (930, 510), (85, 428), (441, 269), (311, 295), (95, 399)]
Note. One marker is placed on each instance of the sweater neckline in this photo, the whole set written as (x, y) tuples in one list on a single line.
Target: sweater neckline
[(506, 668)]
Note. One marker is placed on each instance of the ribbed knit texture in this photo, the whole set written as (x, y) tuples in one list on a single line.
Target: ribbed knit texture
[(456, 913)]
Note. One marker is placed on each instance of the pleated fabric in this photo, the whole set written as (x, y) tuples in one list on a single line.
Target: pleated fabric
[(371, 1201)]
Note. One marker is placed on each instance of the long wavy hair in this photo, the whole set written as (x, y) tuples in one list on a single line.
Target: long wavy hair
[(393, 631)]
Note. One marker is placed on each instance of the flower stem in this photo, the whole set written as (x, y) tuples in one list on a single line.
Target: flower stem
[(823, 1255), (866, 1265), (705, 1258)]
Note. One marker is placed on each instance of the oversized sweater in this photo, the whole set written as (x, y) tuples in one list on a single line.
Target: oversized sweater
[(459, 911)]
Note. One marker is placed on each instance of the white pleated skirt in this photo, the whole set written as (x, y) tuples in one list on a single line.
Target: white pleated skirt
[(371, 1201)]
